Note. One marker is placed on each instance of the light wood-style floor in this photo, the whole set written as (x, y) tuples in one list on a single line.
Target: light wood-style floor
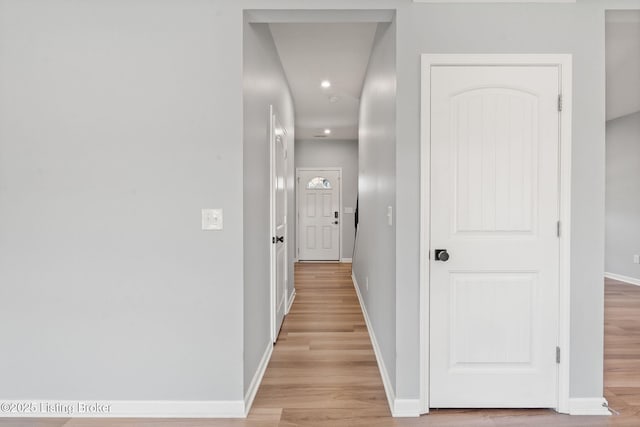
[(323, 370)]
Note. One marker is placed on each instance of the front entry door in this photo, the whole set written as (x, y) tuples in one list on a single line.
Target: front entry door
[(319, 215), (494, 249)]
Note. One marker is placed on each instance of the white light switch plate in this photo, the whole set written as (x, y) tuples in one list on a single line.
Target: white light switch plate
[(348, 210), (212, 219)]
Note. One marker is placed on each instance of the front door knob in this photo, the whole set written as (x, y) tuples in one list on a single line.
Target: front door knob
[(441, 255)]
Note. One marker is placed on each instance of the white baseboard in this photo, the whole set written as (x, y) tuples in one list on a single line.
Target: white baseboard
[(347, 260), (139, 408), (621, 278), (588, 406), (388, 388), (290, 301), (257, 379), (122, 409), (398, 407), (406, 408)]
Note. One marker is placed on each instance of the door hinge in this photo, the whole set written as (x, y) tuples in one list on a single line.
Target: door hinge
[(557, 354), (558, 228), (560, 102)]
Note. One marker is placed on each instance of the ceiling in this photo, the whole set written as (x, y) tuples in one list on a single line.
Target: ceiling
[(311, 53), (623, 62), (340, 53)]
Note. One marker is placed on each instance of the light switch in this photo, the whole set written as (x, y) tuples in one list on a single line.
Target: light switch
[(212, 219), (348, 210), (390, 215)]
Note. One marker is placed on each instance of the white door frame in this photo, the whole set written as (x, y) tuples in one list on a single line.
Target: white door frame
[(341, 214), (272, 224), (564, 64)]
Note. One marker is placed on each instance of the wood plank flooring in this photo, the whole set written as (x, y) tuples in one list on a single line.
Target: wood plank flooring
[(323, 370)]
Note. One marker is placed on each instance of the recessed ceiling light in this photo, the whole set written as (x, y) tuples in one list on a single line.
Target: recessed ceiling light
[(326, 84), (327, 131)]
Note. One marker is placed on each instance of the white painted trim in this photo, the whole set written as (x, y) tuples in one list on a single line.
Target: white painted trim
[(386, 381), (130, 409), (406, 408), (347, 260), (494, 1), (272, 248), (588, 406), (398, 407), (621, 278), (564, 63), (341, 210), (425, 221), (257, 378), (272, 231), (292, 297), (316, 16)]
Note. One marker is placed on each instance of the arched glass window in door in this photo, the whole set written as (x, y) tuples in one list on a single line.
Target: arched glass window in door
[(319, 183)]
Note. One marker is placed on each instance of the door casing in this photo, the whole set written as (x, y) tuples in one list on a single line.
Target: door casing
[(333, 168), (564, 64), (272, 225)]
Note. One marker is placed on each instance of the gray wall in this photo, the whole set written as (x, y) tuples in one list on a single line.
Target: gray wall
[(341, 154), (119, 121), (264, 84), (115, 132), (623, 196), (375, 255), (575, 28)]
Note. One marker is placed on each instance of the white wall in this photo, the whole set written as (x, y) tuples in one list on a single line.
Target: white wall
[(623, 196), (341, 154), (264, 84), (375, 255)]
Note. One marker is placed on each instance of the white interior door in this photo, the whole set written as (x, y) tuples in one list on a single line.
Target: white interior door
[(319, 215), (494, 208), (279, 225)]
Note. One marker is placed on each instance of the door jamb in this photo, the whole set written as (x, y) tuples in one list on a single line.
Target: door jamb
[(340, 216), (564, 64)]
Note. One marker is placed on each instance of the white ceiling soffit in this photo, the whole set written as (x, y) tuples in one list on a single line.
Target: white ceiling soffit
[(494, 1), (339, 53), (316, 16), (623, 62)]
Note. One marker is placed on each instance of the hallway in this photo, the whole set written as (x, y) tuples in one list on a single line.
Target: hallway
[(323, 367)]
